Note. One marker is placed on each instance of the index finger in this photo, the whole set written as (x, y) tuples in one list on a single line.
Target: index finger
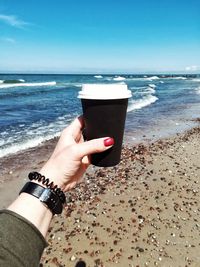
[(76, 127)]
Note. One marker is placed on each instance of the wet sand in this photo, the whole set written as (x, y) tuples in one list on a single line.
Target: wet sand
[(143, 212), (14, 169)]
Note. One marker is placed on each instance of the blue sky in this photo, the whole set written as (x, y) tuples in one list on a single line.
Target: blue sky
[(90, 36)]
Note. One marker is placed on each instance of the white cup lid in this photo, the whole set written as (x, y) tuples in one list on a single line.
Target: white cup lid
[(104, 91)]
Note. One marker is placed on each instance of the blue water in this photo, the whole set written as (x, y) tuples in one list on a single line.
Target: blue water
[(35, 108)]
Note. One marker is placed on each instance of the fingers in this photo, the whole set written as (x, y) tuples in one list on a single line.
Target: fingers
[(76, 127), (93, 146)]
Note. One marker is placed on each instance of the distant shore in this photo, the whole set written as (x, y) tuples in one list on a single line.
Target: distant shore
[(144, 212)]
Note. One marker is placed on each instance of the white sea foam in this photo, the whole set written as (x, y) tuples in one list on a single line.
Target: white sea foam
[(109, 78), (198, 90), (152, 78), (2, 142), (138, 87), (25, 145), (98, 76), (196, 80), (149, 90), (77, 85), (141, 103), (1, 81), (151, 85), (33, 136), (119, 78), (9, 85), (70, 84), (148, 97), (179, 78)]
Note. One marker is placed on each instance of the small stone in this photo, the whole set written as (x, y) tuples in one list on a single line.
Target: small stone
[(73, 258), (141, 250), (167, 242)]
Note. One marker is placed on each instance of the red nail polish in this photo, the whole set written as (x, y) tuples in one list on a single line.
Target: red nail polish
[(109, 141)]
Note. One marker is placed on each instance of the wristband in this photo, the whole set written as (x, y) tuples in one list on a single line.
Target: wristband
[(47, 196)]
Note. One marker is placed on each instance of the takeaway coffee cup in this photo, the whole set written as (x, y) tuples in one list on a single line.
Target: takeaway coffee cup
[(104, 111)]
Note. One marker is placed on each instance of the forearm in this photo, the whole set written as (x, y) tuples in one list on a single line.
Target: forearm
[(33, 210), (23, 228)]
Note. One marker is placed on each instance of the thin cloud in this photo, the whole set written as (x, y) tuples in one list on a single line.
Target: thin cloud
[(13, 21), (192, 68), (8, 40)]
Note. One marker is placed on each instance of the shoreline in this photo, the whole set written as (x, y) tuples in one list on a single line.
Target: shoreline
[(131, 138), (14, 172)]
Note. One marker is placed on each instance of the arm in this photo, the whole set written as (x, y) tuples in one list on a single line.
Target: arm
[(65, 168)]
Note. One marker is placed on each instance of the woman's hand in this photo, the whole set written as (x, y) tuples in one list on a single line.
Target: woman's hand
[(70, 158)]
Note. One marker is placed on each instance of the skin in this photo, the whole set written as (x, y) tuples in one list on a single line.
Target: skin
[(65, 168)]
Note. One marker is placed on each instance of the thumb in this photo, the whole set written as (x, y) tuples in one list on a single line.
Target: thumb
[(93, 146)]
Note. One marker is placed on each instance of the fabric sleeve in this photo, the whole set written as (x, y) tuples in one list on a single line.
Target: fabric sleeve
[(21, 243)]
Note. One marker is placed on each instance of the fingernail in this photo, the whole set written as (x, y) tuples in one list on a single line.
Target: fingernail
[(109, 141)]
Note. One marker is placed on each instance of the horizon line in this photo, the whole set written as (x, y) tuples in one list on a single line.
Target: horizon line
[(99, 73)]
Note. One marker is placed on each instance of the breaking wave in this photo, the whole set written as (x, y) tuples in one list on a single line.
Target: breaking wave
[(152, 78), (196, 80), (98, 76), (141, 103), (25, 145), (33, 135), (119, 78), (179, 78), (147, 99), (198, 90), (24, 84)]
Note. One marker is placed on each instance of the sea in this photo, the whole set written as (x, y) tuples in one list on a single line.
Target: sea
[(35, 108)]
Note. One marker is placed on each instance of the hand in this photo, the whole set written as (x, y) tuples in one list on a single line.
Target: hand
[(70, 158)]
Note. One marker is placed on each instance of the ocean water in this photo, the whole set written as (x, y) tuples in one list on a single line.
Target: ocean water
[(35, 108)]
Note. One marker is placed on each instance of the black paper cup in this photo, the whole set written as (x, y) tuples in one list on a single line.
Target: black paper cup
[(105, 118)]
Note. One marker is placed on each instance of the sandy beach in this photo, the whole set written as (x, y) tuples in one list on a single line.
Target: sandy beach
[(143, 212)]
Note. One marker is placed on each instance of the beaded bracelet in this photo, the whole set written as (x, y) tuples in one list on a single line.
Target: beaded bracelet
[(45, 181)]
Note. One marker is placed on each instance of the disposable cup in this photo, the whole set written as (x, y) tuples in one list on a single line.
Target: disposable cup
[(104, 112)]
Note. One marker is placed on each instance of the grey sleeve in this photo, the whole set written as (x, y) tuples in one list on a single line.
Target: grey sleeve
[(21, 243)]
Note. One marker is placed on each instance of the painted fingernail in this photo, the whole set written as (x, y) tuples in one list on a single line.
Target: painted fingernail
[(109, 141)]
